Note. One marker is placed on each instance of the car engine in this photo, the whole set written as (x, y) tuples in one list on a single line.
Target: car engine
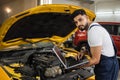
[(40, 63)]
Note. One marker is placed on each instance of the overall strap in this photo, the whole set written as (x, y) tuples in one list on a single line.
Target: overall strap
[(94, 25), (110, 37)]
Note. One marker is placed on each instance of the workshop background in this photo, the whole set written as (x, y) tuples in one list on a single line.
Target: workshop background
[(106, 10)]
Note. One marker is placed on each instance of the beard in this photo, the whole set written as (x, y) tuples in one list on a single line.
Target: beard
[(83, 27)]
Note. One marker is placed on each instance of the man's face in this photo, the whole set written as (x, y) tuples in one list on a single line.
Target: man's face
[(81, 21)]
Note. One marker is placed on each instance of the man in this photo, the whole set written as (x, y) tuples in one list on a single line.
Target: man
[(101, 46)]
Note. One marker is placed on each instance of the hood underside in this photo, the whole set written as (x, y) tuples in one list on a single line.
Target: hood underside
[(41, 25)]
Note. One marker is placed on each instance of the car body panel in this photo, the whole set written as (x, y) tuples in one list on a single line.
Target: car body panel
[(80, 35), (3, 74), (117, 43)]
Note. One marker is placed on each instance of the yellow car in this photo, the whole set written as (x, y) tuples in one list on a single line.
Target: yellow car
[(34, 45)]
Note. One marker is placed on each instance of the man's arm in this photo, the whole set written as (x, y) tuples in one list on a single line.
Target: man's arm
[(96, 54)]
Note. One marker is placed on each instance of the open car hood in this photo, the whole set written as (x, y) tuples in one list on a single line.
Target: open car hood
[(34, 45), (40, 23)]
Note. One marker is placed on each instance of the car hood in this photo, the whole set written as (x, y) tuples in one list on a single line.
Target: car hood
[(46, 22)]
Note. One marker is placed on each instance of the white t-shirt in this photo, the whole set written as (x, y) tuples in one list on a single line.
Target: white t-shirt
[(98, 36)]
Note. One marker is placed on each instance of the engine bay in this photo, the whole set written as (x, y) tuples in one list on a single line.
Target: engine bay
[(41, 63)]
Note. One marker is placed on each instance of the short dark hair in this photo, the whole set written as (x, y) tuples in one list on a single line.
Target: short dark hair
[(77, 12)]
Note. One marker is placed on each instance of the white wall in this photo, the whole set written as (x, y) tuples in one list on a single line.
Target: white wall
[(1, 16), (74, 2), (16, 6), (29, 4), (106, 11), (20, 5), (99, 6), (13, 5)]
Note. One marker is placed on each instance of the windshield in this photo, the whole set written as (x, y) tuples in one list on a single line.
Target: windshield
[(41, 25)]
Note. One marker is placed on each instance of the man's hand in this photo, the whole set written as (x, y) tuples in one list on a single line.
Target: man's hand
[(79, 55)]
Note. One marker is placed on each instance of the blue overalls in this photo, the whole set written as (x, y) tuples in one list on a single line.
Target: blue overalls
[(108, 67)]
